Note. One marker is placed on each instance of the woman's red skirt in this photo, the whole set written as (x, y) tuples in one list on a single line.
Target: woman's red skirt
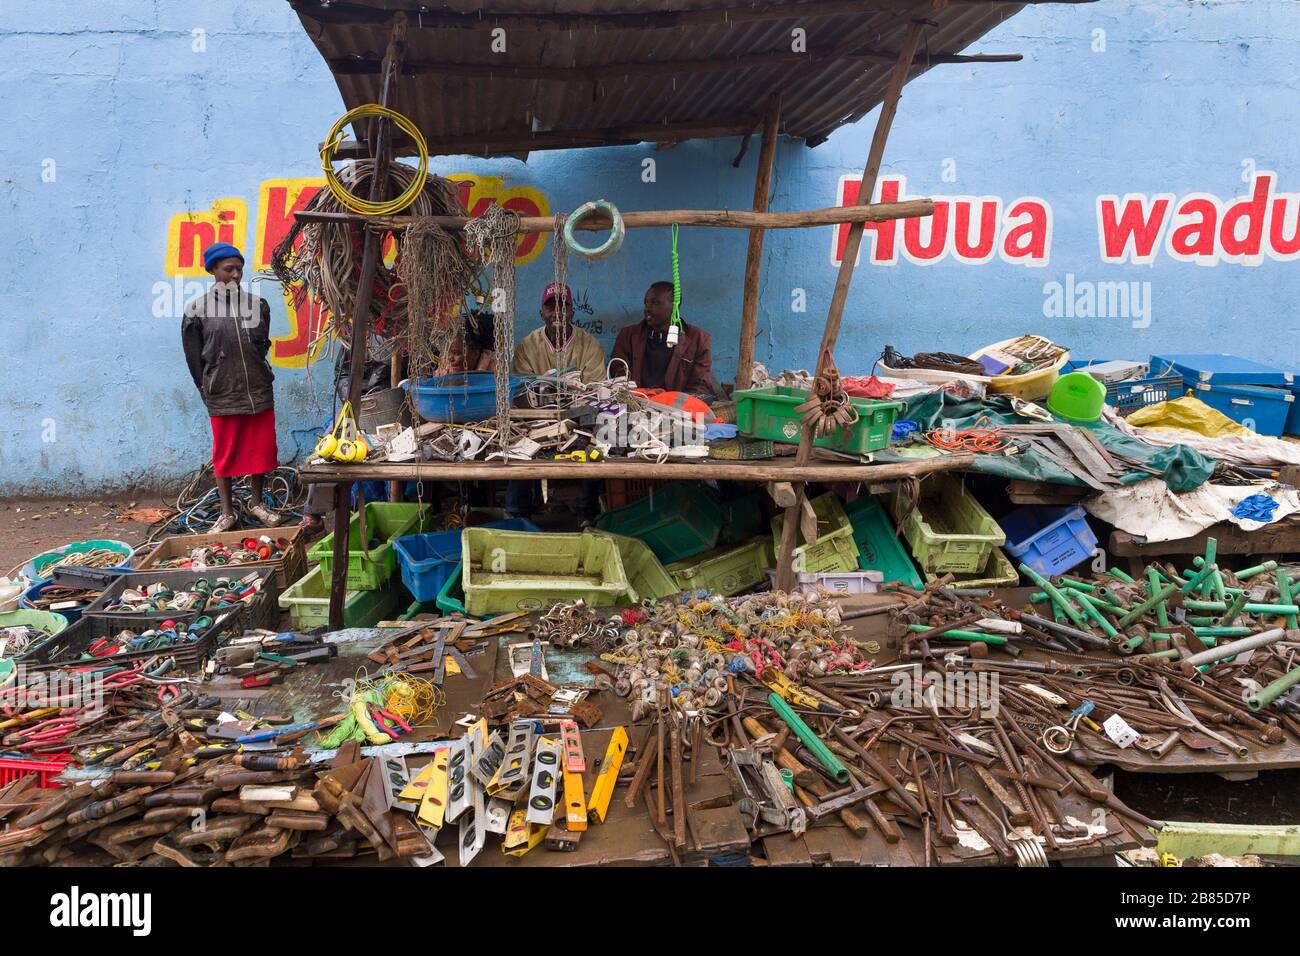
[(243, 444)]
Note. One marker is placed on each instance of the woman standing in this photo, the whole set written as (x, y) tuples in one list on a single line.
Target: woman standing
[(227, 335)]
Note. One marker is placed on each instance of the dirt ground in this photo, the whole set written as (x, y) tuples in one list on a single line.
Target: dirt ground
[(29, 526)]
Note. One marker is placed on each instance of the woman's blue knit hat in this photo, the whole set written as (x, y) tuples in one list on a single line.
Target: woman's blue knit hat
[(218, 251)]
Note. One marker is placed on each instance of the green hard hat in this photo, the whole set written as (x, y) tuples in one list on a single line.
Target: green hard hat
[(1077, 396)]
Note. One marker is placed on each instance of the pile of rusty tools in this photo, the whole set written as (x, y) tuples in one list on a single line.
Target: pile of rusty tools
[(962, 762)]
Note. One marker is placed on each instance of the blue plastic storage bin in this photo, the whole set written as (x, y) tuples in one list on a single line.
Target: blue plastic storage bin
[(1050, 540), (1221, 369), (461, 397), (1264, 410), (426, 561)]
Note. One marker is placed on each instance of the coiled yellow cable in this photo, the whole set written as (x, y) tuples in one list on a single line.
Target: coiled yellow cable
[(356, 203)]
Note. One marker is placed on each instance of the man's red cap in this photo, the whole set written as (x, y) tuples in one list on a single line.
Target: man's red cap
[(560, 289)]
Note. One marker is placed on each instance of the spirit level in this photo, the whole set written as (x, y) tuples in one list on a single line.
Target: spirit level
[(603, 790)]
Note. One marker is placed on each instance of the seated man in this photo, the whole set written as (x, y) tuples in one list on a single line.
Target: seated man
[(559, 345), (652, 363)]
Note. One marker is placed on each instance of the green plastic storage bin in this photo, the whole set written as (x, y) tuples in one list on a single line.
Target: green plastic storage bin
[(834, 549), (646, 578), (770, 413), (948, 530), (51, 622), (997, 572), (724, 571), (879, 548), (368, 571), (678, 521), (308, 603), (526, 571)]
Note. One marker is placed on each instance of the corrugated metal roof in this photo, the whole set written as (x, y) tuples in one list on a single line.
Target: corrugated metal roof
[(604, 76)]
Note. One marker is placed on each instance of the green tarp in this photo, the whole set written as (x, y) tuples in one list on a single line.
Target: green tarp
[(1182, 468)]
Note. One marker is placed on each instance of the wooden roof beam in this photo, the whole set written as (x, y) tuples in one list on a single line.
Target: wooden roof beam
[(342, 12), (661, 218), (371, 65)]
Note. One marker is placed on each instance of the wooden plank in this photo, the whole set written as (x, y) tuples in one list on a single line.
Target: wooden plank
[(784, 849), (753, 471), (659, 219), (1278, 538), (754, 255)]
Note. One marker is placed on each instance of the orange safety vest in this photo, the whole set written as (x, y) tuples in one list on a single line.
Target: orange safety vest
[(682, 401)]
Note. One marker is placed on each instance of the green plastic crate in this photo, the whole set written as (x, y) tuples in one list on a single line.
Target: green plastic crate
[(646, 578), (879, 548), (770, 413), (308, 603), (997, 572), (527, 571), (724, 571), (948, 529), (677, 521), (742, 518), (834, 549), (386, 521), (451, 597)]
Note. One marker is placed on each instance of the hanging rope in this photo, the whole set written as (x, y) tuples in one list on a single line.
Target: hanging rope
[(675, 320)]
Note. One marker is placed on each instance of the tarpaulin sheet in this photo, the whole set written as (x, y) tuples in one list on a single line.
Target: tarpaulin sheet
[(1182, 468)]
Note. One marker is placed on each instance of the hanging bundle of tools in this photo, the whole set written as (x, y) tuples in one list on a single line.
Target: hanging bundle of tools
[(828, 411)]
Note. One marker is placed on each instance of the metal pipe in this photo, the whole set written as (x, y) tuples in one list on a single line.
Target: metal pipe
[(1236, 647)]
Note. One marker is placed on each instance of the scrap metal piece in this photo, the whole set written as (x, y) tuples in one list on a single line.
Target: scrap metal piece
[(546, 769)]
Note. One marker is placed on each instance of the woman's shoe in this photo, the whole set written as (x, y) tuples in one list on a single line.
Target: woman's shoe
[(264, 514), (226, 522)]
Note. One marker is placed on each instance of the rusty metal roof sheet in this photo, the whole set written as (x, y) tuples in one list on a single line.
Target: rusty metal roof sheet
[(559, 73)]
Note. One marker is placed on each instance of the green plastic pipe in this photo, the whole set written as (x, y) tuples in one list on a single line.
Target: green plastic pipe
[(1284, 596), (1073, 613), (1262, 698), (810, 739), (1153, 586), (1101, 605), (1234, 609), (1088, 609), (1245, 574), (1196, 580), (960, 635), (1164, 594), (1117, 573), (1074, 585), (1223, 631), (1250, 607)]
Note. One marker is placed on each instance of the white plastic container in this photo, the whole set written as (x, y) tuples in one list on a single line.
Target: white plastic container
[(837, 583)]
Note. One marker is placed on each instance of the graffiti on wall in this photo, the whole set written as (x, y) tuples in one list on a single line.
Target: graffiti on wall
[(227, 220), (1136, 228)]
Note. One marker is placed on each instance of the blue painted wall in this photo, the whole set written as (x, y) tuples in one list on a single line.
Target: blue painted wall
[(115, 124)]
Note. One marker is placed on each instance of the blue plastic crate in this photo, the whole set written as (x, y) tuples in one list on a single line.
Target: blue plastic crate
[(1223, 369), (426, 561), (1261, 409), (1050, 540)]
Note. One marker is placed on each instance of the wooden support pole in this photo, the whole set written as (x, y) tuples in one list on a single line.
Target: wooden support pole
[(361, 313), (754, 258), (650, 219), (835, 315)]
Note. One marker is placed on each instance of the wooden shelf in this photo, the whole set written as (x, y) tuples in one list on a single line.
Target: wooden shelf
[(757, 471)]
